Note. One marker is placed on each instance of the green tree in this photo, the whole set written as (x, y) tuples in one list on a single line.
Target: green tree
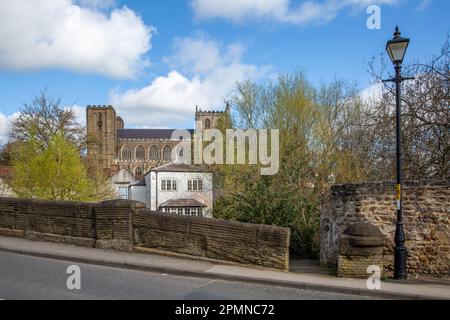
[(318, 147), (102, 188), (42, 133), (50, 172)]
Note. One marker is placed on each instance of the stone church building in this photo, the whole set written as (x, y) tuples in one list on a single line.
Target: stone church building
[(136, 150)]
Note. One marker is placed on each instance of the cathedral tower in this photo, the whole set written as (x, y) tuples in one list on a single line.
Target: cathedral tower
[(102, 124), (209, 119)]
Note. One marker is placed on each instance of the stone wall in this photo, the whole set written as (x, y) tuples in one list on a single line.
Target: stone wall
[(426, 208), (216, 239), (113, 222), (67, 222), (125, 225)]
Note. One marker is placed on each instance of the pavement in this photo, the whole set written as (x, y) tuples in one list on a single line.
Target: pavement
[(178, 266)]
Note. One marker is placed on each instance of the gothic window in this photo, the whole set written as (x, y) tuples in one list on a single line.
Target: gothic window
[(140, 153), (139, 171), (126, 153), (207, 124), (154, 154), (167, 153), (99, 121)]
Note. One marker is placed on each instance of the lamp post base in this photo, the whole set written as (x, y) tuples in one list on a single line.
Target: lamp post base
[(400, 255)]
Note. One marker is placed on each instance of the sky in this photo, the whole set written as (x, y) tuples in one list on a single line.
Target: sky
[(154, 61)]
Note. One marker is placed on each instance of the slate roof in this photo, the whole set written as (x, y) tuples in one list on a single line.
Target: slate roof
[(146, 133), (175, 203), (140, 183), (180, 167)]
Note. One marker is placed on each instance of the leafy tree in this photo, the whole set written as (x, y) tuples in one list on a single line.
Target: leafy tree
[(102, 188), (317, 138), (6, 153), (328, 135), (41, 138), (50, 170)]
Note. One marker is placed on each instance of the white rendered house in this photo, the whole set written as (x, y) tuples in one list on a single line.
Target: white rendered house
[(180, 189)]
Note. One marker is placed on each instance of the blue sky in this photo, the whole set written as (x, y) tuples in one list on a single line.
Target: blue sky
[(155, 60)]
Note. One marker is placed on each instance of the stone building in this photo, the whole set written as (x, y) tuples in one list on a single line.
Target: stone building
[(136, 150)]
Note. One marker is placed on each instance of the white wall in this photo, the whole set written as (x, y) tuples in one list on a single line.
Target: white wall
[(137, 193), (5, 191), (150, 180), (155, 197), (123, 178)]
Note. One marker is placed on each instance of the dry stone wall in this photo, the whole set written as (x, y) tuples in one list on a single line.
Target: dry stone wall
[(426, 208)]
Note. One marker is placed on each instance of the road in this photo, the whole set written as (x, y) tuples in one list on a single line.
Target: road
[(27, 277)]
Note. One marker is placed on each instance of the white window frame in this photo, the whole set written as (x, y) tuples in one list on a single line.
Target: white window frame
[(185, 211), (168, 185), (123, 195), (195, 184)]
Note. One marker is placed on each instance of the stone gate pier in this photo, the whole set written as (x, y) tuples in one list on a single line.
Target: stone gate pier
[(360, 247)]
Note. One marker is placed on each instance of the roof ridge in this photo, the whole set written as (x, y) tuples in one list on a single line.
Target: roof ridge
[(182, 167)]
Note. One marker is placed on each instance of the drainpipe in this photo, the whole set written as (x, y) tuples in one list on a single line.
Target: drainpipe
[(156, 191)]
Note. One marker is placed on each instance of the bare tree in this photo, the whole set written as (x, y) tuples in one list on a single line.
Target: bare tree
[(425, 120), (44, 117)]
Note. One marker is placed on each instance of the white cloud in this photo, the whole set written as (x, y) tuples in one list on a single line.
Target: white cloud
[(98, 4), (423, 4), (61, 34), (239, 9), (285, 11), (201, 54), (79, 112), (4, 126), (372, 93), (4, 123), (210, 71)]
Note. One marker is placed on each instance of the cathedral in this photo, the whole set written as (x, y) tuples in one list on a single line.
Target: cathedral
[(136, 150)]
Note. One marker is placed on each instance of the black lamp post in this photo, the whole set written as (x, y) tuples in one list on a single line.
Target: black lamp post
[(396, 49)]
